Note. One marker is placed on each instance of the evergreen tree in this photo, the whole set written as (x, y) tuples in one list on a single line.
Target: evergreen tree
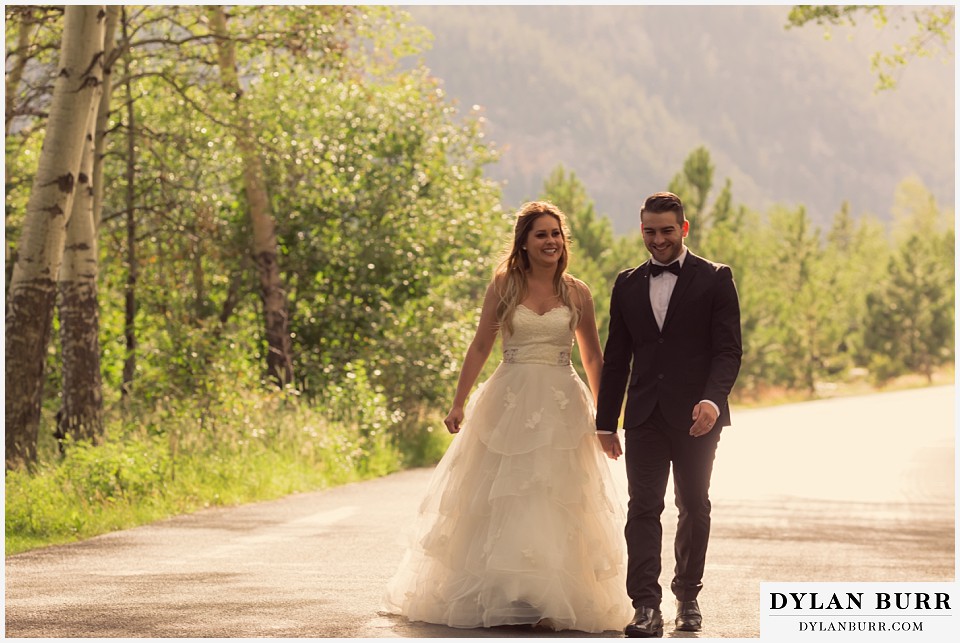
[(693, 185), (910, 312), (910, 316)]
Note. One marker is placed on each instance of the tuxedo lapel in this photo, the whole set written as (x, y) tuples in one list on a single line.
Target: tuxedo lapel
[(687, 275), (646, 310)]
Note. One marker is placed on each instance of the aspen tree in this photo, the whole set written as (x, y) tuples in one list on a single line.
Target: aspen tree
[(275, 306), (30, 300)]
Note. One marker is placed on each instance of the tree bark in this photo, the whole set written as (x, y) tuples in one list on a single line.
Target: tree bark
[(197, 234), (103, 112), (32, 291), (275, 308), (81, 413), (130, 292)]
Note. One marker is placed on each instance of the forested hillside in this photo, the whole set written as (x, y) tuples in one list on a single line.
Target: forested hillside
[(621, 94)]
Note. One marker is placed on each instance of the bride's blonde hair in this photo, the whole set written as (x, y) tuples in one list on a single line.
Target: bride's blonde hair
[(510, 277)]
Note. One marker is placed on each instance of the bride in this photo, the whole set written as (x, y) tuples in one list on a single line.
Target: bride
[(520, 523)]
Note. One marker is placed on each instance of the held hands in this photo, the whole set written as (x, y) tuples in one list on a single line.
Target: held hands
[(704, 417), (454, 419), (610, 443)]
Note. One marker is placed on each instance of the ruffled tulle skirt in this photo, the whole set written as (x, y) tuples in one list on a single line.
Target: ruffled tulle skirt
[(520, 522)]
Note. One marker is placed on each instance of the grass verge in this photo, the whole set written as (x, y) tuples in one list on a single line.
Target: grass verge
[(255, 447), (183, 456)]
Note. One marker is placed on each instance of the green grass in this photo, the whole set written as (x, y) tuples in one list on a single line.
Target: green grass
[(180, 456), (171, 461)]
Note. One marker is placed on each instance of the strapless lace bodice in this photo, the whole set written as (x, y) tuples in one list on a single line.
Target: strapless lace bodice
[(539, 339)]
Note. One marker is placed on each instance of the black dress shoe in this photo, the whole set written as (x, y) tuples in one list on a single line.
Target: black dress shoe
[(689, 618), (646, 623)]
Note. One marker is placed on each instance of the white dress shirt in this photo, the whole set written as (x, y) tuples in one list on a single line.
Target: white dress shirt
[(661, 288)]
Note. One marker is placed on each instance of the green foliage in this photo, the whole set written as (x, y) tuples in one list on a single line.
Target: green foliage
[(391, 229), (910, 307), (805, 337), (386, 226), (224, 447), (387, 231), (911, 311), (933, 31), (693, 186)]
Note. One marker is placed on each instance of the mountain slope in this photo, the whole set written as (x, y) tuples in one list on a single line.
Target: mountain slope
[(621, 95)]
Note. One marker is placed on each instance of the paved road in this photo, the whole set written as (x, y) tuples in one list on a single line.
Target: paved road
[(853, 489)]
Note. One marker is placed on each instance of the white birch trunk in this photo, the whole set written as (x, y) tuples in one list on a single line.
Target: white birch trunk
[(30, 300), (81, 411), (103, 112)]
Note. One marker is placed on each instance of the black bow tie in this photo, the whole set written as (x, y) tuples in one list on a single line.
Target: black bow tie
[(656, 269)]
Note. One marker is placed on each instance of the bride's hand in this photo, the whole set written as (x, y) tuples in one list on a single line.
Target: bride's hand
[(454, 419)]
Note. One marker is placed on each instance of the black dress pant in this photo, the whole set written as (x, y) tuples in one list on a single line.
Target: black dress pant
[(650, 449)]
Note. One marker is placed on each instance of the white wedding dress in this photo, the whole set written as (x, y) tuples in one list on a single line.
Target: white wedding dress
[(520, 522)]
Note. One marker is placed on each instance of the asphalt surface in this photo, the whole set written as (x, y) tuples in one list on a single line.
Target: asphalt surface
[(855, 489)]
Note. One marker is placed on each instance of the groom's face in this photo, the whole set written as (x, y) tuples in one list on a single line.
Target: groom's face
[(663, 235)]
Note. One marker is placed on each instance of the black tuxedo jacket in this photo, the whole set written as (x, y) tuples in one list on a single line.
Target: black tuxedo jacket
[(695, 357)]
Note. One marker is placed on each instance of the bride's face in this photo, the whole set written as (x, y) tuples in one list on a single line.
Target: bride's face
[(544, 242)]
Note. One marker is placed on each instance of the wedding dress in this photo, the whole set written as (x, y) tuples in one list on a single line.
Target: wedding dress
[(520, 522)]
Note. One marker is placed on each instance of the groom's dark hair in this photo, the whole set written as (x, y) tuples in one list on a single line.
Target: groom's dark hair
[(663, 202)]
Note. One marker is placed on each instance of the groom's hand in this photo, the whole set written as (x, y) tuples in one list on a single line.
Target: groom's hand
[(704, 417), (610, 443)]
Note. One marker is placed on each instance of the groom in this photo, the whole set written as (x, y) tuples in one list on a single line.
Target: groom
[(676, 318)]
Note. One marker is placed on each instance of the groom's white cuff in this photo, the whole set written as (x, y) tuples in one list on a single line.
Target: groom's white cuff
[(713, 404), (599, 432)]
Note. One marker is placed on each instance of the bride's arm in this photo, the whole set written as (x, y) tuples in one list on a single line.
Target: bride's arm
[(477, 354), (588, 339), (592, 357)]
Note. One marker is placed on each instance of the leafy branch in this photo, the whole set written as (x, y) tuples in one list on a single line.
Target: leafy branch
[(933, 32)]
